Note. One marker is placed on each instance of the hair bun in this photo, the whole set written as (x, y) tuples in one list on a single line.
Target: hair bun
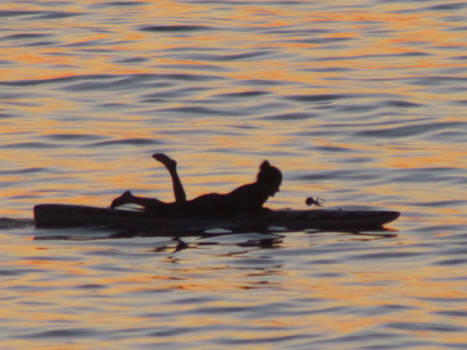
[(265, 165)]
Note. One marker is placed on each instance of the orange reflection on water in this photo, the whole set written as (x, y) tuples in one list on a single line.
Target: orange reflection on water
[(363, 288), (74, 174), (244, 14), (373, 288), (420, 155)]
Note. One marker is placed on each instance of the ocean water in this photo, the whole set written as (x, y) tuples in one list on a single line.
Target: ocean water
[(362, 103)]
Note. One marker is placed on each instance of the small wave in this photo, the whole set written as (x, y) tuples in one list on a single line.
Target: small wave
[(386, 255), (425, 327), (261, 82), (88, 43), (319, 98), (112, 82), (6, 115), (325, 40), (175, 28), (328, 69), (73, 137), (242, 56), (358, 108), (348, 175), (132, 60), (173, 331), (289, 116), (18, 13), (447, 7), (63, 333), (442, 7), (55, 15), (133, 142), (410, 130), (401, 104), (38, 15), (438, 204), (42, 43), (243, 94), (411, 54), (118, 3), (334, 149), (91, 85), (33, 145), (23, 171), (452, 313), (190, 77), (196, 110), (167, 94), (429, 175), (34, 82), (24, 36), (454, 261), (436, 80)]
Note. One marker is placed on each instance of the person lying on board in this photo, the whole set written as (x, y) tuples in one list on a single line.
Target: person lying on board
[(248, 199)]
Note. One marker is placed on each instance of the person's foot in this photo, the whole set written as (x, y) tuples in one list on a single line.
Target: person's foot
[(166, 160), (125, 198)]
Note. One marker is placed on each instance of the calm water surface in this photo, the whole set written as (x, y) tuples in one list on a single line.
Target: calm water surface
[(360, 102)]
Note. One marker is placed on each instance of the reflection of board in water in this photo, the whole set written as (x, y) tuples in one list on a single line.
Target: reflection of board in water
[(59, 215)]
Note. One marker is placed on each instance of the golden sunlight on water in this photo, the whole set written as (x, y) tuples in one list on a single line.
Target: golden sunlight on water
[(42, 62), (360, 103)]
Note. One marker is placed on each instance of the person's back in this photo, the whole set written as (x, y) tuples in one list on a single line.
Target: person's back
[(243, 198), (247, 198)]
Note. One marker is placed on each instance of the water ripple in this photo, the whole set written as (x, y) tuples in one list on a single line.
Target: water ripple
[(63, 333), (425, 327), (17, 13), (30, 145), (446, 7), (23, 171), (176, 28), (33, 82), (361, 103), (23, 36), (132, 141), (242, 94), (119, 4), (411, 130), (319, 98)]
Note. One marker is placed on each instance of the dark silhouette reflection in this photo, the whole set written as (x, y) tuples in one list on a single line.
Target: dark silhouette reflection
[(373, 236), (370, 235), (268, 243), (180, 245), (177, 244)]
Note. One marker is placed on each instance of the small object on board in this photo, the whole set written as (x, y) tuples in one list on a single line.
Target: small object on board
[(315, 201)]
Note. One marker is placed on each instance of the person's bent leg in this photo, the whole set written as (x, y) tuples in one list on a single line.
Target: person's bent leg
[(171, 165), (149, 204), (125, 198)]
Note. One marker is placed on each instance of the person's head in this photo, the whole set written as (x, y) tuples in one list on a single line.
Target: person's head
[(269, 178)]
